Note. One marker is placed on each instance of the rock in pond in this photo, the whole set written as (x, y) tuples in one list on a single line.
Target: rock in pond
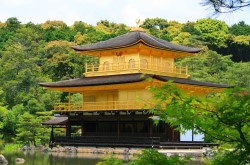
[(3, 160), (20, 160)]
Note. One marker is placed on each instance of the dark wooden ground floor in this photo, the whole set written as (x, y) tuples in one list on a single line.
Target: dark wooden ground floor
[(117, 125), (116, 129), (113, 129)]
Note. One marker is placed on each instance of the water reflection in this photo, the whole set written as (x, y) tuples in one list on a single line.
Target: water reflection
[(64, 158), (37, 158), (89, 155)]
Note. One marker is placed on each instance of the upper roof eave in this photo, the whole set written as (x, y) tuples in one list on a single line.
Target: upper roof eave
[(140, 41), (132, 38)]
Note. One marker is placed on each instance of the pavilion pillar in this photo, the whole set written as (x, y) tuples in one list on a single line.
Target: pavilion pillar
[(51, 141), (173, 139), (118, 127), (82, 101), (52, 133), (69, 101), (68, 130), (82, 129), (192, 135), (150, 125)]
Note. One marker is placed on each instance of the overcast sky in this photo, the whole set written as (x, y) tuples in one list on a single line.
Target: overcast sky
[(118, 11)]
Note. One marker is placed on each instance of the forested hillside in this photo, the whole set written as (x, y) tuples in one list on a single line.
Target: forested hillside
[(32, 53)]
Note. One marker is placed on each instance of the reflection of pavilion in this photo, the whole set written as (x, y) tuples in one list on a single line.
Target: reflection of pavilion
[(114, 108)]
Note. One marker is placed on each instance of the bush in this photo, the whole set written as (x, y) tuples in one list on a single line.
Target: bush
[(110, 160), (148, 157)]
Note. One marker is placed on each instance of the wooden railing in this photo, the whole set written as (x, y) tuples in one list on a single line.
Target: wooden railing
[(135, 67), (108, 141), (100, 106)]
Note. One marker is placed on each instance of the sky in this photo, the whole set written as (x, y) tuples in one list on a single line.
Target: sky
[(117, 11)]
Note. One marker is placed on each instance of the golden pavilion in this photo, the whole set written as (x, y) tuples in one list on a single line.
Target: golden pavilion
[(115, 95)]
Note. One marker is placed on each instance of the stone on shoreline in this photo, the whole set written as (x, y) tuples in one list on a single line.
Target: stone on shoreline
[(3, 160), (86, 149), (20, 160), (124, 151)]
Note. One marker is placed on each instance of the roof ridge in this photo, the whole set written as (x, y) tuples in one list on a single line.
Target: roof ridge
[(157, 41)]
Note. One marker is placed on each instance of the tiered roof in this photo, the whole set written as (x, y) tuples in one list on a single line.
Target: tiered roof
[(125, 78), (132, 38)]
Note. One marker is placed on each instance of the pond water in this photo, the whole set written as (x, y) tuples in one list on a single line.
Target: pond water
[(37, 158), (63, 158)]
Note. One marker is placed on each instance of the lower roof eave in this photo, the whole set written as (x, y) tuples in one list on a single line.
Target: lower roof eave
[(124, 79)]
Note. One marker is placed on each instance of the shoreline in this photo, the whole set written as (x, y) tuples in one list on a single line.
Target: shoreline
[(122, 151)]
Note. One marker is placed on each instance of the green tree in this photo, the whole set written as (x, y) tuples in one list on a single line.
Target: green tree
[(155, 23), (20, 66), (62, 63), (156, 27), (173, 30), (239, 75), (111, 28), (189, 27), (10, 122), (240, 29), (80, 26), (183, 38), (7, 30), (79, 39), (34, 106), (13, 24), (28, 128), (194, 40), (213, 32), (43, 132), (57, 30), (223, 117), (209, 66), (148, 157), (3, 113), (239, 47), (153, 157)]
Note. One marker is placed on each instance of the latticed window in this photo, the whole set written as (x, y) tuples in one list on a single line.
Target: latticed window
[(90, 98), (166, 67), (144, 64), (119, 62), (119, 59), (131, 64), (106, 66), (156, 63)]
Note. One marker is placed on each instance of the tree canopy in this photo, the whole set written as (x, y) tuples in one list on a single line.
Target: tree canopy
[(223, 117)]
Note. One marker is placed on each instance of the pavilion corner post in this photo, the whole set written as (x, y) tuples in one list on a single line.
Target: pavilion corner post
[(82, 101)]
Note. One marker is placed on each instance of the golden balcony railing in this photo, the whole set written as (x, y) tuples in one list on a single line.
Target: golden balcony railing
[(100, 106), (135, 67)]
